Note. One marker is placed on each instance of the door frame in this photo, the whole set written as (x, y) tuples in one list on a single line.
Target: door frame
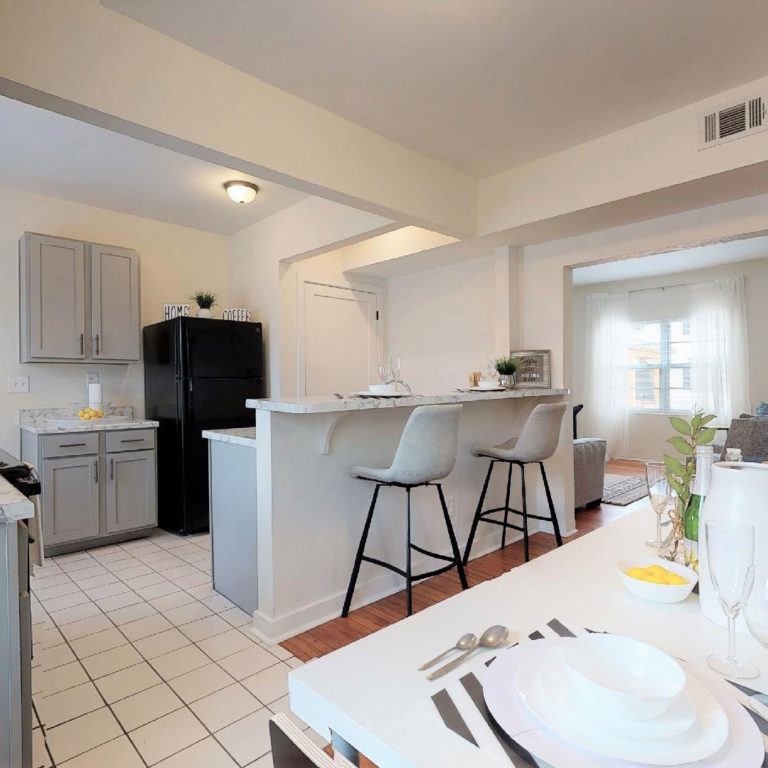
[(371, 288)]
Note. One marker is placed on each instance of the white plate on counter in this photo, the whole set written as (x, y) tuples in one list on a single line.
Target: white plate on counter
[(487, 389)]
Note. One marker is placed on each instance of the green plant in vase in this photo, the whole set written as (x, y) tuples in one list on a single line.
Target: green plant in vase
[(691, 435), (204, 301), (506, 367)]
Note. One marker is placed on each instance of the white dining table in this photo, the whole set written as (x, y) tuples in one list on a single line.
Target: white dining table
[(370, 697)]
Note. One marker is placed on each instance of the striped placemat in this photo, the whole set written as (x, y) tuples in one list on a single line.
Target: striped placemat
[(460, 706)]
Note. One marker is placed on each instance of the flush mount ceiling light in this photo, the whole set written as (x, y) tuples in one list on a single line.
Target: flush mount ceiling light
[(241, 191)]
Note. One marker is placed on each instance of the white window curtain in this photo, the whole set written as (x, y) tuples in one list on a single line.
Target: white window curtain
[(605, 372), (720, 354)]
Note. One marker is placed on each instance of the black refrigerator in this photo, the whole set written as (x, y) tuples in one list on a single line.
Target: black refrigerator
[(198, 374)]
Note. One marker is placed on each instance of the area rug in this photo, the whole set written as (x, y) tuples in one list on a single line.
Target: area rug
[(622, 490)]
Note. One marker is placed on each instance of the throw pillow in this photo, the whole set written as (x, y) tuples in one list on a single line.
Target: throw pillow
[(762, 410)]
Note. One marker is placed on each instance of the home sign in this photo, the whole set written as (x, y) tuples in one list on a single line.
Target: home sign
[(241, 314), (175, 310)]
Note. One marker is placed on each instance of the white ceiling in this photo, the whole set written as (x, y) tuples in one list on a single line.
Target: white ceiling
[(50, 154), (747, 249), (480, 84)]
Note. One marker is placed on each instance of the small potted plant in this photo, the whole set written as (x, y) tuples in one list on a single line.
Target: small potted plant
[(506, 367), (204, 301)]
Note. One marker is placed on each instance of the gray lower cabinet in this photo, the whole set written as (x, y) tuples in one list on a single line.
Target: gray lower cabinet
[(97, 487), (131, 490), (70, 487)]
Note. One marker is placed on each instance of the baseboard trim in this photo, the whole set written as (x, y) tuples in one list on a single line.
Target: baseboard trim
[(273, 630)]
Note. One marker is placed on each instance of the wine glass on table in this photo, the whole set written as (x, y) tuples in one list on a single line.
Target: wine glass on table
[(660, 495), (731, 557), (385, 373), (394, 367)]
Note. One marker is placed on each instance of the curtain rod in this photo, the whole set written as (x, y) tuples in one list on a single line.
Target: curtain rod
[(664, 287)]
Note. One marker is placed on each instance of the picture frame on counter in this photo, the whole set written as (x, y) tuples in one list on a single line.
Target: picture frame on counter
[(238, 314), (533, 368), (175, 310)]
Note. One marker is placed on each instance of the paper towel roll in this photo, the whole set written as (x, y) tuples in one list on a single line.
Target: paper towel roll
[(94, 395)]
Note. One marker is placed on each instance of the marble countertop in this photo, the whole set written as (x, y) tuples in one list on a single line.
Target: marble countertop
[(238, 435), (49, 421), (348, 404), (14, 505)]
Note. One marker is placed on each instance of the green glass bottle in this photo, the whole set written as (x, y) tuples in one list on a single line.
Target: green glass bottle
[(701, 483)]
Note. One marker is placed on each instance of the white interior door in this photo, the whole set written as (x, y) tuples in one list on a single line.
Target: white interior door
[(339, 339)]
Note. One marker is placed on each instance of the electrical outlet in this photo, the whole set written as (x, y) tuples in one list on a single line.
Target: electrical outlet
[(450, 502), (92, 378), (18, 384)]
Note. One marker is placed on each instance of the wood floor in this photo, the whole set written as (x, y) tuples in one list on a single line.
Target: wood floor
[(339, 632)]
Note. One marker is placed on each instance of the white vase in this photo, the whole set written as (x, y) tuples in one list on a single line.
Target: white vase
[(737, 495), (204, 312)]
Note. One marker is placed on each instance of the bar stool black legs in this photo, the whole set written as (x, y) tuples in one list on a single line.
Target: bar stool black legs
[(454, 561), (481, 515)]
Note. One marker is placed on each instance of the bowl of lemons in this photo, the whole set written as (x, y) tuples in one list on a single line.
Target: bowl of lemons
[(87, 412), (657, 580)]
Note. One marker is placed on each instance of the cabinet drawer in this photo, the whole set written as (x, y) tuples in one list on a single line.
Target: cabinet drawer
[(70, 444), (130, 440)]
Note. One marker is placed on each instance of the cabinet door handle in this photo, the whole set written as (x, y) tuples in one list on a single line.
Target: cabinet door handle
[(133, 440), (96, 471), (111, 469), (82, 343), (97, 343), (71, 445)]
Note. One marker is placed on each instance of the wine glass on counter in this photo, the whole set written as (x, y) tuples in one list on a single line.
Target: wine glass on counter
[(385, 373), (731, 557), (394, 367), (756, 614), (660, 495)]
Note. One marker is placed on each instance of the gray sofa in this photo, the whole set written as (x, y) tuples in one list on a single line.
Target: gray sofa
[(588, 470), (750, 434)]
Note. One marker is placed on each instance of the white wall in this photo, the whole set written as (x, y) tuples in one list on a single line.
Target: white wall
[(441, 323), (261, 276), (175, 261), (648, 431)]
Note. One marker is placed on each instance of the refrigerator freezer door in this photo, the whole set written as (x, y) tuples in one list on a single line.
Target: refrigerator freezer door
[(220, 349)]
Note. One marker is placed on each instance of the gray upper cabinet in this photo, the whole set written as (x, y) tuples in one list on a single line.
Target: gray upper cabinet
[(131, 491), (114, 303), (78, 301), (71, 493), (53, 298)]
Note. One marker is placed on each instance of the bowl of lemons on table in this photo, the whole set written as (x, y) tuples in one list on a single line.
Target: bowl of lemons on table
[(657, 580)]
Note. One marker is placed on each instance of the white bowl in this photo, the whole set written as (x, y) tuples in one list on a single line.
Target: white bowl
[(623, 676), (487, 384), (658, 593), (382, 389)]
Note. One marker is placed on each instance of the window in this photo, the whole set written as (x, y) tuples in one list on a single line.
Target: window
[(660, 366)]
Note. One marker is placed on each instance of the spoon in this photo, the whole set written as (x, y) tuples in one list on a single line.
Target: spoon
[(493, 637), (464, 643)]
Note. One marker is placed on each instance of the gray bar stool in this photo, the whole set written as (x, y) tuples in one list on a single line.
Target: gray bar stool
[(537, 442), (426, 453)]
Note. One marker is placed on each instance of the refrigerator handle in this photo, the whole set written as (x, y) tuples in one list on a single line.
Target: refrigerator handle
[(191, 391)]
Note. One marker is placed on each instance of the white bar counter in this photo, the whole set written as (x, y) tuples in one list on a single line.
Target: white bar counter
[(310, 512)]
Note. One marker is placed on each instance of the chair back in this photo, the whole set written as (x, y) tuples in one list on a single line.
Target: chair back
[(292, 749), (428, 445), (541, 432)]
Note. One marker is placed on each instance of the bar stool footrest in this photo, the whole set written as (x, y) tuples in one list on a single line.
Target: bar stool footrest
[(436, 555)]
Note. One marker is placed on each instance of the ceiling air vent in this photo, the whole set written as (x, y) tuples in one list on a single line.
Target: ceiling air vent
[(732, 122)]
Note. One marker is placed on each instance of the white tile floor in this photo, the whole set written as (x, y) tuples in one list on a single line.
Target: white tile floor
[(138, 662)]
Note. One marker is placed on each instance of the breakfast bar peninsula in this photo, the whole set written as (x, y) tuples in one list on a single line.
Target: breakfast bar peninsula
[(309, 511)]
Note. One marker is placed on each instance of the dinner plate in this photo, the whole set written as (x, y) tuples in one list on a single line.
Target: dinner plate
[(741, 746), (368, 393), (487, 389), (558, 691)]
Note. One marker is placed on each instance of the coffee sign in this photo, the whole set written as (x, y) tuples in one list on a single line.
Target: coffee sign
[(175, 310), (241, 314)]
